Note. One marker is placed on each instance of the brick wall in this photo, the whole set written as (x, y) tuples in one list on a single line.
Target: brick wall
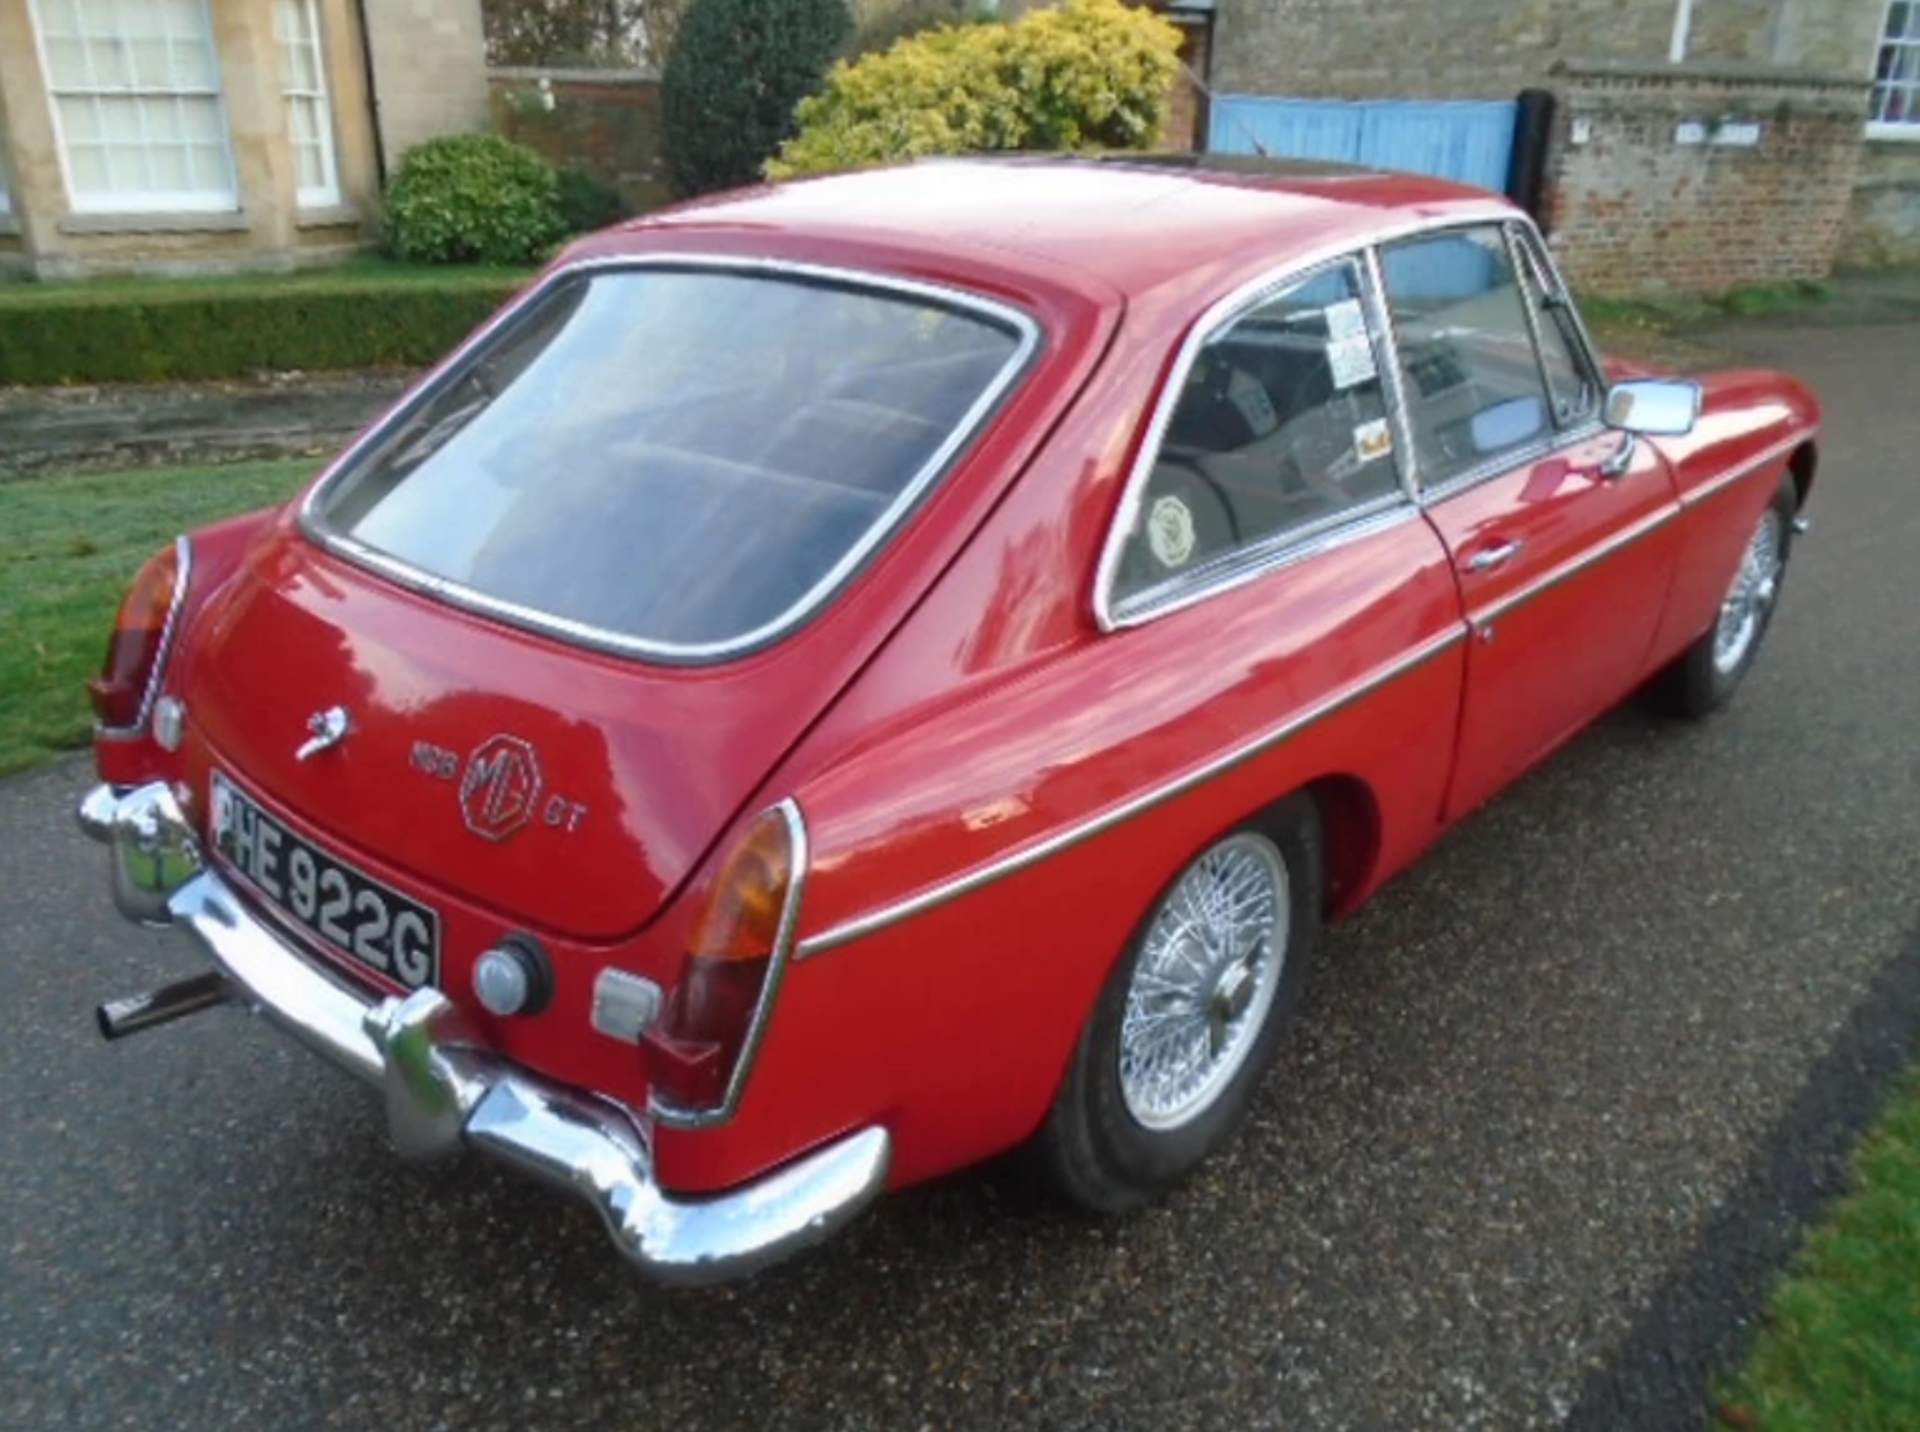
[(1634, 205), (1493, 49), (1884, 227), (606, 122)]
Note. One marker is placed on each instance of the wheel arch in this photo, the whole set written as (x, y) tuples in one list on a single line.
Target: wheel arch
[(1350, 826), (1802, 465)]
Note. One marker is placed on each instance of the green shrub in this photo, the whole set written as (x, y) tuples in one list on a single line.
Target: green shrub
[(473, 199), (161, 331), (736, 72), (1088, 74), (586, 203)]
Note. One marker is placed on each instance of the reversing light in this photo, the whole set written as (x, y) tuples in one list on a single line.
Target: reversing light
[(138, 647), (698, 1050)]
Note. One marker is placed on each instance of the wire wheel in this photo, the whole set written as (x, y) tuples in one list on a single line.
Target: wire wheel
[(1749, 599), (1204, 982)]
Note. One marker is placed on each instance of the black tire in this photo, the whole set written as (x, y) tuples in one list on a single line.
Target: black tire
[(1094, 1151), (1700, 682)]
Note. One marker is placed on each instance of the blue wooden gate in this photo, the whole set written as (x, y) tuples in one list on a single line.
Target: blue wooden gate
[(1467, 140)]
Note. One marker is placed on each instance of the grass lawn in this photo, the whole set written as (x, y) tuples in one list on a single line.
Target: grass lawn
[(68, 548), (1840, 1348)]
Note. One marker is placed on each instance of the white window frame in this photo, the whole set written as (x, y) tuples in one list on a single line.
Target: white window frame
[(140, 201), (1909, 41), (327, 193)]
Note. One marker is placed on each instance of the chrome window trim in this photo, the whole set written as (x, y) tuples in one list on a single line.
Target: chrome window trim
[(1506, 462), (783, 948), (1392, 381), (183, 561), (1025, 327), (1499, 463), (1020, 859), (1218, 315), (1234, 569), (1525, 239)]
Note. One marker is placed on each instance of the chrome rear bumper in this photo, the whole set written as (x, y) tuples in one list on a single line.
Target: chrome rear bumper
[(445, 1090)]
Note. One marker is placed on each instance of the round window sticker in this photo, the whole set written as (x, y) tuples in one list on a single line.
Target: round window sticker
[(1170, 532)]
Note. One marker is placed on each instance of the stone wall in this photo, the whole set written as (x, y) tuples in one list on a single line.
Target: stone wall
[(1493, 49), (606, 122), (429, 71), (1884, 227), (1700, 178)]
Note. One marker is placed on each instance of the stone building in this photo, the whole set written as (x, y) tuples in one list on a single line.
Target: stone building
[(183, 136), (1716, 141)]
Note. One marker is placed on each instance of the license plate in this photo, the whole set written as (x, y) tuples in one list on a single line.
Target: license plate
[(366, 921)]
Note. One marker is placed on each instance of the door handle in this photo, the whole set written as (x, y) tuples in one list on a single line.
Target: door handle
[(1487, 558)]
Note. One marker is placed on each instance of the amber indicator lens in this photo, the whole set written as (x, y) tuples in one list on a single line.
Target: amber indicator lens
[(694, 1049), (133, 651)]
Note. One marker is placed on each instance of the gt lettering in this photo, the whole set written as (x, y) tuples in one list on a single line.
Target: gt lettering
[(563, 814)]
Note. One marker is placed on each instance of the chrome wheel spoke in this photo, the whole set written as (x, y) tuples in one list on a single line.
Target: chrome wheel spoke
[(1743, 612), (1203, 982)]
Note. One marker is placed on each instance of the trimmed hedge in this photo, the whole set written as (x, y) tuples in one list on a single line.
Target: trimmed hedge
[(157, 331)]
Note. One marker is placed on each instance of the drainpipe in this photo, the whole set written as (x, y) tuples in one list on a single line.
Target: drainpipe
[(1682, 30), (373, 94)]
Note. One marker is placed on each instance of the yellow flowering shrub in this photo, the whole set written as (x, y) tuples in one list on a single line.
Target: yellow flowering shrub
[(1085, 74)]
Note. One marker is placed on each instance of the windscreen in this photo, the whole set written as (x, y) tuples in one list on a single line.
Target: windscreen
[(679, 460)]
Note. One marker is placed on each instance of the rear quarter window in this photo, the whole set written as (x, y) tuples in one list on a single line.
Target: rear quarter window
[(677, 461)]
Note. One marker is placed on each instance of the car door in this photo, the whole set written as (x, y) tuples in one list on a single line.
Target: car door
[(1557, 528)]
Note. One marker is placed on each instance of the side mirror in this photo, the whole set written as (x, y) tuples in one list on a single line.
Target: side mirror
[(1654, 407)]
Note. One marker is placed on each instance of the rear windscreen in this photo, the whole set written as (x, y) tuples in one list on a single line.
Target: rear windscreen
[(677, 460)]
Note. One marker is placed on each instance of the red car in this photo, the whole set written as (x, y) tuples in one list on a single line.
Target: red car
[(852, 678)]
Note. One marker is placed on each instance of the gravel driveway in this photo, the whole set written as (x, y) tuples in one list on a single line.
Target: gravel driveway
[(1551, 1103)]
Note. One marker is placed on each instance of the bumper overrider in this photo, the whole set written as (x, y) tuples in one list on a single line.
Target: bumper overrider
[(444, 1089)]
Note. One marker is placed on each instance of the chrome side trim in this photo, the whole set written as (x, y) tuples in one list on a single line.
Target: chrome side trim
[(445, 589), (1746, 467), (1574, 565), (783, 946), (183, 560), (1221, 313), (937, 895), (445, 1091)]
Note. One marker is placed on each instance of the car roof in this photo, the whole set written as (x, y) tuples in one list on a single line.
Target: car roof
[(1135, 222)]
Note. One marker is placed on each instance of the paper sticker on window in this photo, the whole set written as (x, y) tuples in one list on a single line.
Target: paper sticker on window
[(1351, 360), (1344, 319), (1373, 440)]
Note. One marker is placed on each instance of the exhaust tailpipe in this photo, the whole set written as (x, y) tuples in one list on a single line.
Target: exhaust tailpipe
[(121, 1017)]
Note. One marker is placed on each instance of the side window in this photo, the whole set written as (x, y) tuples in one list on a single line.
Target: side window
[(1280, 430), (1570, 383), (1472, 378)]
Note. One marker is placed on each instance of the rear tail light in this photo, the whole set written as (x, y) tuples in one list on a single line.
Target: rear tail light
[(123, 691), (699, 1050)]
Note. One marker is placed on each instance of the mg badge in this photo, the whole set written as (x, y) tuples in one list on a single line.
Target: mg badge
[(501, 788)]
